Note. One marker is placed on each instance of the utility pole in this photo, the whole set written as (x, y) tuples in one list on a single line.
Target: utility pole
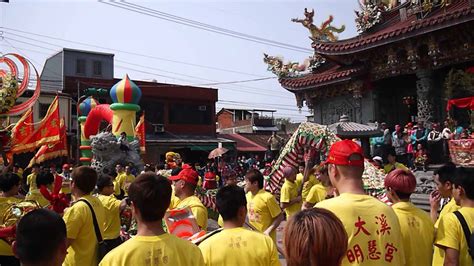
[(78, 129)]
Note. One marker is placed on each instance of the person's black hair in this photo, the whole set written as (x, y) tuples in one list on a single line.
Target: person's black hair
[(151, 195), (103, 182), (403, 196), (176, 171), (44, 179), (35, 165), (392, 152), (464, 177), (229, 199), (301, 164), (446, 172), (160, 166), (39, 234), (8, 181), (255, 175), (84, 178)]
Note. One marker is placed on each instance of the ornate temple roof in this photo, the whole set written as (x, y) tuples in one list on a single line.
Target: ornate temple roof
[(394, 29), (333, 74)]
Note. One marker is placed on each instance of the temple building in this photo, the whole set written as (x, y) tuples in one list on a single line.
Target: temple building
[(407, 61)]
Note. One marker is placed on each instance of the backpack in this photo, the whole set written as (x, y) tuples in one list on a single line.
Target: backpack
[(467, 233)]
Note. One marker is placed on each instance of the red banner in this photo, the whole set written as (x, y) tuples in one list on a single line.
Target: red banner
[(21, 134), (48, 131), (50, 151), (140, 133), (467, 102)]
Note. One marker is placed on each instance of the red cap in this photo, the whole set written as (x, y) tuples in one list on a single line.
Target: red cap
[(66, 166), (210, 175), (346, 152), (187, 174)]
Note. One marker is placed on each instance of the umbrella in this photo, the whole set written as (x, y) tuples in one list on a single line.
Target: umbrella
[(217, 152)]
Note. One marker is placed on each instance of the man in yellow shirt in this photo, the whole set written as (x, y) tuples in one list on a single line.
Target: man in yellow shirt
[(40, 239), (264, 213), (113, 207), (243, 247), (311, 179), (416, 226), (150, 197), (9, 185), (82, 240), (319, 191), (443, 178), (372, 226), (450, 236), (31, 178), (184, 186), (123, 181), (290, 197)]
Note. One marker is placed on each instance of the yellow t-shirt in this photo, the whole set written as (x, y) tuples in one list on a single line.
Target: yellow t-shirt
[(164, 249), (174, 200), (112, 216), (31, 181), (198, 209), (262, 209), (289, 191), (417, 233), (5, 203), (317, 194), (123, 181), (372, 228), (220, 221), (117, 184), (451, 235), (312, 180), (80, 228), (389, 167), (450, 207), (239, 246), (38, 197)]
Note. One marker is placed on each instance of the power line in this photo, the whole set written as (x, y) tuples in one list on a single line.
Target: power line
[(151, 73), (199, 25), (234, 82), (131, 53), (215, 82)]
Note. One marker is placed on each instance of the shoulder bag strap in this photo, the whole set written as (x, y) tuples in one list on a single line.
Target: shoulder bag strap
[(94, 219), (465, 227)]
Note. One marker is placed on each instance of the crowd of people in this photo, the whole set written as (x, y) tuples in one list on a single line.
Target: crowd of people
[(415, 146), (330, 219)]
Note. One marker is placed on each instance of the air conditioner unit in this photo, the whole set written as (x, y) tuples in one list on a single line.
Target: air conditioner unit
[(202, 108), (158, 128)]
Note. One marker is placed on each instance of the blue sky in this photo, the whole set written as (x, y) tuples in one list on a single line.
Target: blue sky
[(159, 41)]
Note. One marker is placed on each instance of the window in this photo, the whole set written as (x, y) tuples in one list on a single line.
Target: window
[(97, 68), (191, 114), (81, 66)]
